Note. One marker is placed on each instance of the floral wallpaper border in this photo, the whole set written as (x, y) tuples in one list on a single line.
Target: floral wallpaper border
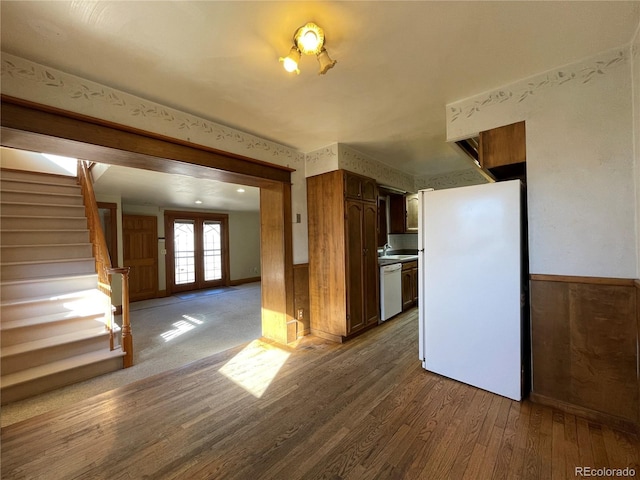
[(25, 79), (357, 162), (581, 72), (460, 178)]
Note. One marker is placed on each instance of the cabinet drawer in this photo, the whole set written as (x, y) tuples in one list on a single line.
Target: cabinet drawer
[(410, 265)]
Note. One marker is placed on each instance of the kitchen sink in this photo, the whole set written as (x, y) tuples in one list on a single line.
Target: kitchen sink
[(397, 257)]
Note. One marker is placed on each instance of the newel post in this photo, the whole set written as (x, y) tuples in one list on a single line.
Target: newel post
[(127, 337)]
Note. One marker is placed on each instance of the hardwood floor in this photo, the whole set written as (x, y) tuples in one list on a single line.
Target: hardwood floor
[(361, 410)]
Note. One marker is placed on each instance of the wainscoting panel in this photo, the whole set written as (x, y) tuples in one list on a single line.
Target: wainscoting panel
[(301, 297), (585, 345)]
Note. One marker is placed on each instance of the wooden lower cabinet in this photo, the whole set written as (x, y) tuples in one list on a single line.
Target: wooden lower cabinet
[(343, 262), (409, 285)]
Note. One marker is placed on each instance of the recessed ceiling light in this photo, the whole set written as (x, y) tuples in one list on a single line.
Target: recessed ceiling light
[(198, 202), (240, 190)]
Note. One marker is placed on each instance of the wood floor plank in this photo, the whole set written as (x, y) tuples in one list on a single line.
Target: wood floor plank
[(363, 410)]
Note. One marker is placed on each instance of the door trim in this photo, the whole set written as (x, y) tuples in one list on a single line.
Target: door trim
[(169, 217), (34, 127)]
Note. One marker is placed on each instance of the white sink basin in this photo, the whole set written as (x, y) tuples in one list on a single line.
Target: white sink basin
[(397, 257)]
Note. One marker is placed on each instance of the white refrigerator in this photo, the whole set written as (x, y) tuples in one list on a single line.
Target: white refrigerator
[(471, 288)]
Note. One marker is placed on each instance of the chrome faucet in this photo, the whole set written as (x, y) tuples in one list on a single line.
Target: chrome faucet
[(385, 249)]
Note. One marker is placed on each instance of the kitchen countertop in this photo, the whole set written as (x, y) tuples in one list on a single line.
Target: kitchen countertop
[(394, 258)]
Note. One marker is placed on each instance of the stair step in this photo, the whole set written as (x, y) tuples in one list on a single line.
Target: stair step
[(29, 185), (76, 302), (14, 196), (37, 287), (52, 315), (37, 328), (20, 222), (25, 253), (49, 268), (31, 354), (43, 237), (47, 178), (39, 209), (58, 374)]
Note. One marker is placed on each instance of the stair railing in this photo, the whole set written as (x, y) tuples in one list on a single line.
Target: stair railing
[(103, 265)]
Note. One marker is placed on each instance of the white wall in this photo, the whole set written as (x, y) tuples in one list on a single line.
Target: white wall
[(580, 162), (244, 241), (244, 245), (21, 160)]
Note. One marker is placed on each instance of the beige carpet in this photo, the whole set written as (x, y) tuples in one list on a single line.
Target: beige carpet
[(167, 333)]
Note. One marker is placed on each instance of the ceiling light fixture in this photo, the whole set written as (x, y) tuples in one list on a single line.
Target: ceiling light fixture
[(308, 39)]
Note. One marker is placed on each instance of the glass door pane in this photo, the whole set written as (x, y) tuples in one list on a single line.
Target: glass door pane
[(212, 250), (184, 251)]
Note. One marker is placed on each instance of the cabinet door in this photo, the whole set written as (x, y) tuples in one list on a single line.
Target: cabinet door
[(369, 189), (407, 290), (382, 221), (397, 213), (353, 186), (371, 270), (412, 213), (503, 146), (415, 278), (355, 264)]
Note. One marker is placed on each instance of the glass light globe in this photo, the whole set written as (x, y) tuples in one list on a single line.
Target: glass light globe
[(309, 41)]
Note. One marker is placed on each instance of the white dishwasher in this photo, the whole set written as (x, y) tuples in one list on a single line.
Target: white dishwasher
[(390, 290)]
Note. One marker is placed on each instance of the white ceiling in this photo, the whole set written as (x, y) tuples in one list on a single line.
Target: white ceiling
[(145, 187), (399, 63)]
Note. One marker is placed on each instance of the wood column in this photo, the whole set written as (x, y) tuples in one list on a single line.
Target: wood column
[(276, 253)]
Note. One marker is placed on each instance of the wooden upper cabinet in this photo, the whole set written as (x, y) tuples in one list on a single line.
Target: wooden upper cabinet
[(502, 151), (412, 213), (360, 188)]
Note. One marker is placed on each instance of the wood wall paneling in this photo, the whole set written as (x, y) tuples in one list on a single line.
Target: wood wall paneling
[(585, 344), (40, 128), (301, 297)]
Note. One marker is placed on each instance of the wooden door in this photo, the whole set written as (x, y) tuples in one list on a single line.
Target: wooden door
[(355, 259), (140, 252), (197, 250), (370, 269)]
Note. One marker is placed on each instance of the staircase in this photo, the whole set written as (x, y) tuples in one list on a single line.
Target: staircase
[(52, 315)]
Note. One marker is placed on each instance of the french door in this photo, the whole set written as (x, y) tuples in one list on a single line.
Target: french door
[(197, 250)]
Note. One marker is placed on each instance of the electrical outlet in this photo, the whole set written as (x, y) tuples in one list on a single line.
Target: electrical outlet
[(300, 314)]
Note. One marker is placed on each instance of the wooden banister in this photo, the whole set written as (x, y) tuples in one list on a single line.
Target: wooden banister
[(103, 263)]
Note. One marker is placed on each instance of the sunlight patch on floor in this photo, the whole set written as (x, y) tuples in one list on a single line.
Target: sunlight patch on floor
[(180, 327), (255, 367)]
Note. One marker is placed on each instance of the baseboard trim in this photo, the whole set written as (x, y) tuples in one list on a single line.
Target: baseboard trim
[(242, 281), (621, 282), (605, 418)]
